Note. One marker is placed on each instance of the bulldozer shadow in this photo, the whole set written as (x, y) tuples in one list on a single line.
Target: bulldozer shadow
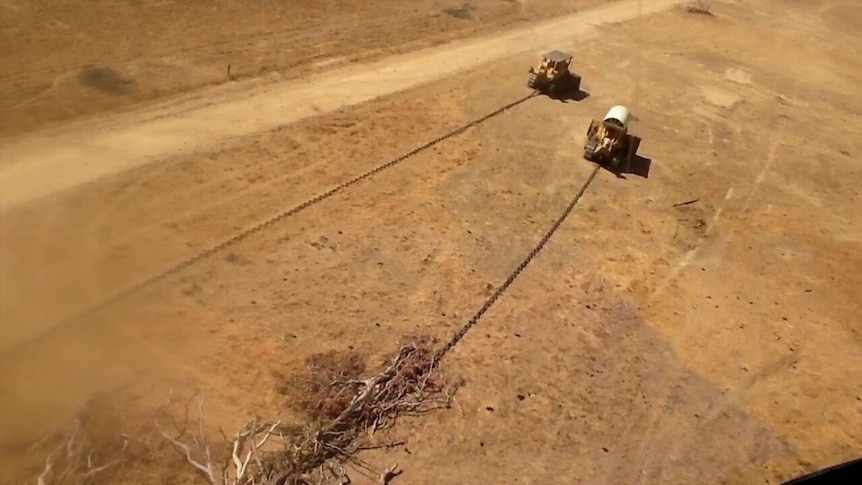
[(639, 166), (565, 95)]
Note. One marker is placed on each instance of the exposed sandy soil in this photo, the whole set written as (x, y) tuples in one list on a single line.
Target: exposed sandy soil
[(46, 164), (41, 165), (66, 60), (715, 342)]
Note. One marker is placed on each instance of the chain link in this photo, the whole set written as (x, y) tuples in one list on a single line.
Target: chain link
[(514, 275), (290, 212)]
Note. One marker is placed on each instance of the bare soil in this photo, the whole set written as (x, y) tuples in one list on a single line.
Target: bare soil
[(67, 60), (652, 341)]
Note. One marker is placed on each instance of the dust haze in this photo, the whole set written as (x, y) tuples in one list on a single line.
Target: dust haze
[(696, 323)]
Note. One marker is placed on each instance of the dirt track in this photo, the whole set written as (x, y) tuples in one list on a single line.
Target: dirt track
[(709, 342), (75, 59), (40, 165)]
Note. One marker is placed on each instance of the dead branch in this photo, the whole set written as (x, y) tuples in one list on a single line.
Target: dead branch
[(688, 202), (345, 412), (204, 467), (389, 474), (250, 432), (76, 463), (409, 383)]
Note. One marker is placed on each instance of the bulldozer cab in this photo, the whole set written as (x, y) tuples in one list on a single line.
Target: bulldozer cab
[(608, 142), (552, 74), (553, 63), (613, 130)]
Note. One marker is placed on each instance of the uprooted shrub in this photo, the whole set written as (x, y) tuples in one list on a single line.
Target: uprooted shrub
[(344, 411)]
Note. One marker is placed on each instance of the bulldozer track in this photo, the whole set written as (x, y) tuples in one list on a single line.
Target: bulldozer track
[(288, 213), (462, 332)]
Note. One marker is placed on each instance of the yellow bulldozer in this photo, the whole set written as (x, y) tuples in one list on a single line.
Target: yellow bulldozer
[(608, 141), (552, 75)]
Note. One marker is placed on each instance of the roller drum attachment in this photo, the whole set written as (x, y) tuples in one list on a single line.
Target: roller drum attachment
[(618, 115)]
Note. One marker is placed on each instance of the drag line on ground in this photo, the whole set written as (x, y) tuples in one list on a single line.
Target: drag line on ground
[(518, 269), (236, 238), (46, 163)]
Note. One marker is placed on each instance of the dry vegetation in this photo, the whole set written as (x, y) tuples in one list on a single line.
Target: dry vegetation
[(345, 414), (656, 386)]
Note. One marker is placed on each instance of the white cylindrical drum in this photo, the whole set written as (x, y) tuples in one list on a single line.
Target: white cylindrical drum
[(619, 114)]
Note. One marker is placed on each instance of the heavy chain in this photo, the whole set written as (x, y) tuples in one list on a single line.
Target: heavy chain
[(288, 213), (514, 275)]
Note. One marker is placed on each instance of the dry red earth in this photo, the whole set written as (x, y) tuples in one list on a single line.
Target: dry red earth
[(66, 60), (649, 342)]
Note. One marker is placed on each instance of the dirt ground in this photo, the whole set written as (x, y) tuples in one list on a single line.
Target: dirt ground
[(68, 60), (696, 326)]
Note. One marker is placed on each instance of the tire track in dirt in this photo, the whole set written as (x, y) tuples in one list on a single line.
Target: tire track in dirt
[(759, 177), (40, 165)]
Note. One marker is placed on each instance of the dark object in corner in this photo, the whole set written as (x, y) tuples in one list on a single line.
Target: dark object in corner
[(847, 472)]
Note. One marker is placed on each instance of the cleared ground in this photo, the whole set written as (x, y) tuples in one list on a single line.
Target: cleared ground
[(713, 342), (67, 60), (42, 165)]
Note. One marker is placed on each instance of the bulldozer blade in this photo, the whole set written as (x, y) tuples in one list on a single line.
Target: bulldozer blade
[(594, 125), (589, 150)]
